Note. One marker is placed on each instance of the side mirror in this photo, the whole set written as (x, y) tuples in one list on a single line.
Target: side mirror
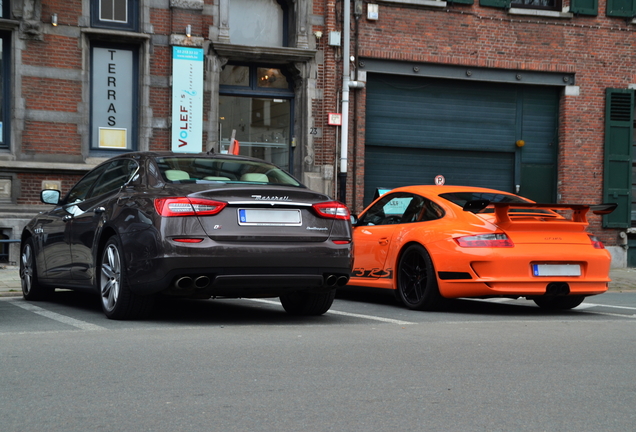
[(354, 219), (50, 196)]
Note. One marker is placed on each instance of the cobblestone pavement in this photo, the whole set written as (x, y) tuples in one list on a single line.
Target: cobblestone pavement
[(623, 279)]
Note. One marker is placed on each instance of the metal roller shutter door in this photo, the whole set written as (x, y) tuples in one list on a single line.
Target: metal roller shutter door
[(417, 128)]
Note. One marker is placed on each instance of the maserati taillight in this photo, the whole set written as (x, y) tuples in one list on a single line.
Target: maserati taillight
[(332, 210), (183, 206), (485, 240)]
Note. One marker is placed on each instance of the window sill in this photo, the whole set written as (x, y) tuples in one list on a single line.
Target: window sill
[(432, 3), (114, 34), (541, 13)]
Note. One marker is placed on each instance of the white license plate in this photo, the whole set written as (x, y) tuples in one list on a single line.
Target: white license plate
[(556, 270), (269, 217)]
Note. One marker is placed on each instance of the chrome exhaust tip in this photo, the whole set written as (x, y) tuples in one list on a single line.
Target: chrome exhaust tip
[(183, 282), (342, 281), (202, 282)]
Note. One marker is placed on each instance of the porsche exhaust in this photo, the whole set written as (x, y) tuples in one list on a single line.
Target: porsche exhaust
[(335, 280), (557, 289)]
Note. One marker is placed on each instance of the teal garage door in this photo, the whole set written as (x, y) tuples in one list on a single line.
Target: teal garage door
[(418, 128)]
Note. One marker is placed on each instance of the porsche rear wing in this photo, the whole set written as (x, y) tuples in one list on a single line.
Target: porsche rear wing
[(502, 209)]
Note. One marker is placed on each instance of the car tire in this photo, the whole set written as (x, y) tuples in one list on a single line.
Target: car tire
[(416, 282), (559, 303), (31, 287), (118, 302), (307, 303)]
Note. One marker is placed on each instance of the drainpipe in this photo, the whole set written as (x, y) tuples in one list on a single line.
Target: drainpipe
[(344, 136)]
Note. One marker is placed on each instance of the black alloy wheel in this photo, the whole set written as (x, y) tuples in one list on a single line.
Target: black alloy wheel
[(31, 287), (416, 282)]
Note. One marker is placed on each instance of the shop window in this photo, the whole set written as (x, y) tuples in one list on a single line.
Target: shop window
[(4, 89), (259, 22), (114, 104), (538, 4), (255, 104), (5, 11), (115, 14), (4, 248)]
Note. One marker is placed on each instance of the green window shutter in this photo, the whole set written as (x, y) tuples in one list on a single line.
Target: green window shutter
[(584, 7), (461, 1), (617, 169), (621, 8), (495, 3)]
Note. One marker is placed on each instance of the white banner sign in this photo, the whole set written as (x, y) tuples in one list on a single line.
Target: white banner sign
[(187, 100)]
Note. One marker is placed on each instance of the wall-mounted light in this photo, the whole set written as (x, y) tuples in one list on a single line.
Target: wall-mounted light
[(318, 34), (54, 20), (188, 30)]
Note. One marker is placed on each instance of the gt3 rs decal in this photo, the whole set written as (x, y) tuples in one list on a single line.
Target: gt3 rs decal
[(373, 273)]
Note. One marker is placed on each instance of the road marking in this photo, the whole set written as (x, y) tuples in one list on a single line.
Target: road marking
[(354, 315), (608, 306), (83, 325)]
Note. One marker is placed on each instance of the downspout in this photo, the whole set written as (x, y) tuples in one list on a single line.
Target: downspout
[(344, 136)]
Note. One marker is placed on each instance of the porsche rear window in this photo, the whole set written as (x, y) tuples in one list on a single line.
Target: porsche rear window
[(461, 198)]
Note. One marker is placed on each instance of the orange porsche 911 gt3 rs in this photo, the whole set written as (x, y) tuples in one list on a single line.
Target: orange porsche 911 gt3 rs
[(433, 242)]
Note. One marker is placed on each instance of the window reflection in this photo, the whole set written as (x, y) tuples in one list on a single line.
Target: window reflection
[(271, 78), (261, 126)]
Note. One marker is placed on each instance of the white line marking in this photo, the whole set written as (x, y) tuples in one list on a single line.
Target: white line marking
[(83, 325), (608, 306), (354, 315)]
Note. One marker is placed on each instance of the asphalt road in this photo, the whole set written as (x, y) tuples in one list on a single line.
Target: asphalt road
[(368, 364)]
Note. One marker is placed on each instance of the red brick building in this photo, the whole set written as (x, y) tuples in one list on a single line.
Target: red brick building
[(534, 96)]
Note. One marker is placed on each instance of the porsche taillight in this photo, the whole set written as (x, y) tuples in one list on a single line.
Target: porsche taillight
[(596, 242), (332, 210), (183, 206), (485, 240)]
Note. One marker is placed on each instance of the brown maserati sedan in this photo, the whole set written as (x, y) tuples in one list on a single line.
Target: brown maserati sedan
[(145, 224)]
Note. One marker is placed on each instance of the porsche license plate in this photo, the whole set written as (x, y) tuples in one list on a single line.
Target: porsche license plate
[(556, 269), (269, 217)]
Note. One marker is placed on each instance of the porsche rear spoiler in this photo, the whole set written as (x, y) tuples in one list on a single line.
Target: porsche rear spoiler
[(579, 211)]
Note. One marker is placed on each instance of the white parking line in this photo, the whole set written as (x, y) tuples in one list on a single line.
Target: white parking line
[(83, 325), (354, 315)]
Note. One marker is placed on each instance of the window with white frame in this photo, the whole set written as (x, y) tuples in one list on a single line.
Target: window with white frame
[(115, 14)]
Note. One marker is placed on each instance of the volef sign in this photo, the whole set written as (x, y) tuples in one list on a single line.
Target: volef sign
[(187, 100)]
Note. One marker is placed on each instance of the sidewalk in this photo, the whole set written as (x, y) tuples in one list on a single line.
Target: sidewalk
[(622, 280)]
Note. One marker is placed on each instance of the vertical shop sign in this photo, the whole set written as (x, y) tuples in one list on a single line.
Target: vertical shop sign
[(112, 98), (187, 100)]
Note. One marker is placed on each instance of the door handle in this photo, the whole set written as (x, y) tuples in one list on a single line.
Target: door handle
[(383, 241)]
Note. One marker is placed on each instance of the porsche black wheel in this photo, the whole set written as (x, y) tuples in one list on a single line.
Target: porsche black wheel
[(307, 303), (416, 282), (118, 302), (31, 287), (559, 303)]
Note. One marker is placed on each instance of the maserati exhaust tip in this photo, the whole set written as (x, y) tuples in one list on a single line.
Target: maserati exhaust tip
[(184, 282), (202, 282)]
